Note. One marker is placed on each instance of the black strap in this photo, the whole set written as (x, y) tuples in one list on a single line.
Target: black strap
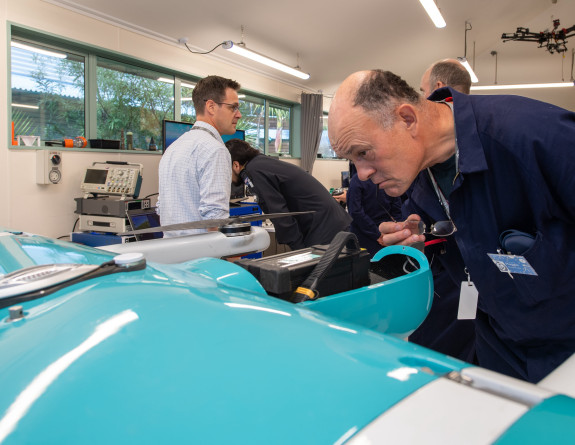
[(307, 290)]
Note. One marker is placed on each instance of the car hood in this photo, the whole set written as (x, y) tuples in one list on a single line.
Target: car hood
[(195, 351)]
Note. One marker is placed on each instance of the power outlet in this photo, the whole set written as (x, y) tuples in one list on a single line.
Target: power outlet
[(48, 166)]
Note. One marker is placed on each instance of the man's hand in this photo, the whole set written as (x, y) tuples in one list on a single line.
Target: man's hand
[(342, 197), (403, 233)]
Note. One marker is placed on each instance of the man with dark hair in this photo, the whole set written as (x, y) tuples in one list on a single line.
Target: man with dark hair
[(445, 73), (512, 171), (283, 187), (194, 173)]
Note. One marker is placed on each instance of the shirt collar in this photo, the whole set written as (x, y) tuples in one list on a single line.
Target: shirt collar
[(471, 154), (210, 128)]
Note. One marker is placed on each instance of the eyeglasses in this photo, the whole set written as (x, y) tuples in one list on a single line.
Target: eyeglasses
[(234, 108), (439, 228)]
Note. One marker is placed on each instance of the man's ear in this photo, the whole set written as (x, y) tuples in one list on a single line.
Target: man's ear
[(408, 116), (210, 107), (236, 167)]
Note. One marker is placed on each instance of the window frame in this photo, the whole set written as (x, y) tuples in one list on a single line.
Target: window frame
[(325, 117), (91, 55)]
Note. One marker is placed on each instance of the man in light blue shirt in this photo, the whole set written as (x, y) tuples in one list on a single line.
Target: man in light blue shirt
[(194, 173)]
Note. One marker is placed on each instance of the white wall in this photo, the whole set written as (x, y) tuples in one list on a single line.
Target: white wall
[(48, 209)]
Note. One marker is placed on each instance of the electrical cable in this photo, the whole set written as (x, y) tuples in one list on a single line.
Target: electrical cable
[(73, 228), (207, 52)]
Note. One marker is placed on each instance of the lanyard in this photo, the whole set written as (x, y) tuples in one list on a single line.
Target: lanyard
[(442, 199), (207, 131)]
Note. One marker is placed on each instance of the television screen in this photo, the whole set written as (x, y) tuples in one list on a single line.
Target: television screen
[(239, 134), (144, 219), (345, 179), (172, 130)]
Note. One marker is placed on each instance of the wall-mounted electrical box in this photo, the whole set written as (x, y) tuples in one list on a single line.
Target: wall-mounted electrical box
[(48, 166)]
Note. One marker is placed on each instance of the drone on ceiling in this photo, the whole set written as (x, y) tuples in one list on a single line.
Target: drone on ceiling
[(554, 41)]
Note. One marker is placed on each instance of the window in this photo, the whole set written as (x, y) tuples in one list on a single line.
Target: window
[(132, 99), (62, 89), (325, 149), (278, 129), (253, 121), (187, 112), (47, 92)]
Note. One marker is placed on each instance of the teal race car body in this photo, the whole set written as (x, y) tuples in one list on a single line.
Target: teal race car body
[(98, 348)]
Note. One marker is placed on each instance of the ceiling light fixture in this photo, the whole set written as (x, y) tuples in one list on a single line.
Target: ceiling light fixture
[(33, 107), (241, 50), (433, 13), (463, 60), (465, 63), (525, 85), (38, 50), (571, 83)]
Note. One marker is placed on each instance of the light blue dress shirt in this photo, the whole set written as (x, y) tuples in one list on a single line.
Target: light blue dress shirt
[(195, 176)]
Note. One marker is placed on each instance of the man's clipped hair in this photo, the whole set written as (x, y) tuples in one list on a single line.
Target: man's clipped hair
[(211, 87), (380, 94), (241, 151), (451, 73)]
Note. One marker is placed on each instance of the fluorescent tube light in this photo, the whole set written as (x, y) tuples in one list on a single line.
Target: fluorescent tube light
[(433, 13), (526, 85), (171, 81), (38, 50), (240, 49), (467, 66), (33, 107)]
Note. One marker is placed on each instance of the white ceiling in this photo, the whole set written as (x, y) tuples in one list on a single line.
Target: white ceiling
[(334, 39)]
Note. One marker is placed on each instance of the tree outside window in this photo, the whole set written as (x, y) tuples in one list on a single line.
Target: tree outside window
[(47, 93), (132, 99)]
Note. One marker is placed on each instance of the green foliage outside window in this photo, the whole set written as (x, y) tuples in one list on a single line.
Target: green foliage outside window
[(50, 99), (133, 100), (47, 95)]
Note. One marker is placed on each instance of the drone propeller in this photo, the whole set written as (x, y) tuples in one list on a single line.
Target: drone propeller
[(553, 41), (209, 223)]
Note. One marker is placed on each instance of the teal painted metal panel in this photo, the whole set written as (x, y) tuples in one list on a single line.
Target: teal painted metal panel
[(552, 422)]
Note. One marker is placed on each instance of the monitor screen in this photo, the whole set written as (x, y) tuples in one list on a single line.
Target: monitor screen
[(239, 134), (143, 219), (96, 176), (172, 130), (345, 179)]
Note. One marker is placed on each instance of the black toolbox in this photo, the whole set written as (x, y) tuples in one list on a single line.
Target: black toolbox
[(280, 275)]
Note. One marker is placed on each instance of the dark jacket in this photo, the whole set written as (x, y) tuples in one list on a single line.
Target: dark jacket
[(369, 207), (284, 187), (516, 164)]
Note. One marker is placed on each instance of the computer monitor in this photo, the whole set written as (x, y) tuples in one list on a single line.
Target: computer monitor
[(143, 219), (345, 179), (172, 130), (239, 134)]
